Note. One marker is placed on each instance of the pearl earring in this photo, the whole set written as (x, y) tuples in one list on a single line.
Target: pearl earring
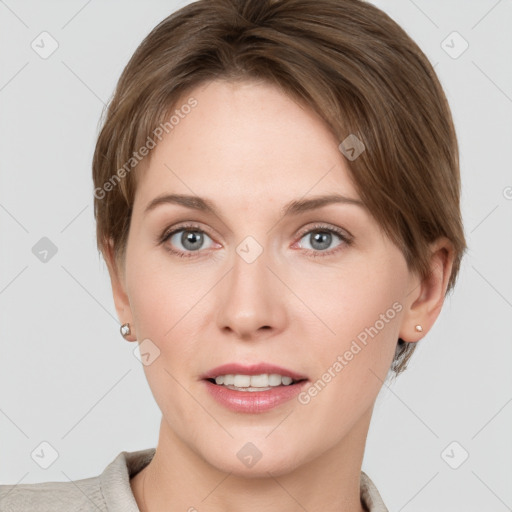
[(125, 330), (419, 328)]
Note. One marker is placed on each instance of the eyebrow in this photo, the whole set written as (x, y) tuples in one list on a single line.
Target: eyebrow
[(294, 207)]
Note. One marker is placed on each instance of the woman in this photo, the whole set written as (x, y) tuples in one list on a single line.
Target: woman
[(276, 193)]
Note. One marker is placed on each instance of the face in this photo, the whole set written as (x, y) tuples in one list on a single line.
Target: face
[(317, 291)]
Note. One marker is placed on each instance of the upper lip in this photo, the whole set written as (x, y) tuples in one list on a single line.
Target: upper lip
[(251, 369)]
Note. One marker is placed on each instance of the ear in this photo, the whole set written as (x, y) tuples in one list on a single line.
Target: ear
[(427, 295), (117, 281)]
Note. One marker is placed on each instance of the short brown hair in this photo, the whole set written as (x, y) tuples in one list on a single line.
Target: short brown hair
[(348, 61)]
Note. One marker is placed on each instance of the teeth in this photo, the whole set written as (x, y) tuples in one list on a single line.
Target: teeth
[(264, 380), (242, 381), (274, 379)]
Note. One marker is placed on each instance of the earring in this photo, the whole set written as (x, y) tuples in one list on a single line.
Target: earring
[(419, 328), (125, 330)]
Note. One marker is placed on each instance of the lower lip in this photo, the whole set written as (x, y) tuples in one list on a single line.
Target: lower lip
[(254, 401)]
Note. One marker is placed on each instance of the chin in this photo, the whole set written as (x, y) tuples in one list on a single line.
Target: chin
[(246, 460)]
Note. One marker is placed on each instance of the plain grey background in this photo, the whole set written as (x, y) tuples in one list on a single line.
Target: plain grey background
[(67, 377)]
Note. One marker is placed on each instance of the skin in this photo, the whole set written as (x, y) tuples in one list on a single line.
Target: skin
[(251, 149)]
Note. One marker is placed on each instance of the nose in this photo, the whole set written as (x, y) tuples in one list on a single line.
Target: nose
[(251, 299)]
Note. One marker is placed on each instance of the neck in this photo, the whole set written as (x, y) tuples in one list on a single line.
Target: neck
[(178, 478)]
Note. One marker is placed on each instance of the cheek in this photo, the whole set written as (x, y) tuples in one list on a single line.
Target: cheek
[(358, 301), (350, 366), (162, 299), (355, 302), (355, 343), (162, 293)]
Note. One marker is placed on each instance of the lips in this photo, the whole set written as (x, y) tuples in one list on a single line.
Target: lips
[(253, 369), (251, 400)]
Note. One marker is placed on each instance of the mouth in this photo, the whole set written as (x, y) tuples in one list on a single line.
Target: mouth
[(254, 383), (253, 390)]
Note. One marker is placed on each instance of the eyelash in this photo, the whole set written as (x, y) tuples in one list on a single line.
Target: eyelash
[(347, 240)]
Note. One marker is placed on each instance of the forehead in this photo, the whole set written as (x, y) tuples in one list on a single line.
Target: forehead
[(246, 142)]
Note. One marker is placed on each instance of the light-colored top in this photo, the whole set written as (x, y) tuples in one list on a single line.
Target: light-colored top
[(111, 490)]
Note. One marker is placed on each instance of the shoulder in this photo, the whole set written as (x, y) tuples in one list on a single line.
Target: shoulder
[(50, 496), (370, 495), (109, 491)]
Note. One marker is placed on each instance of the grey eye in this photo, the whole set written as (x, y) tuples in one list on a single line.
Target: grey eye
[(319, 239), (190, 239)]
